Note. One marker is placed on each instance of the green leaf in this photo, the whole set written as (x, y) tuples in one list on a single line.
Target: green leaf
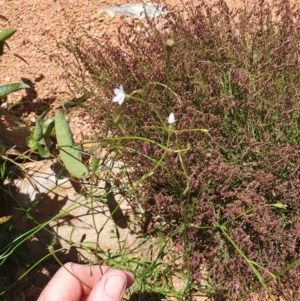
[(31, 142), (42, 130), (70, 154), (43, 150), (40, 145), (7, 33), (6, 89), (95, 164), (48, 127), (38, 129)]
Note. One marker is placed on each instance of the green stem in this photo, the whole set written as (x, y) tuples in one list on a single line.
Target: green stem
[(271, 278)]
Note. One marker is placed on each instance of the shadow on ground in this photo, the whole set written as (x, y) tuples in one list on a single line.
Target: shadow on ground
[(147, 296)]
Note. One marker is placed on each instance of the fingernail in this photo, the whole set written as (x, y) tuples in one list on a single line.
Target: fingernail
[(114, 286)]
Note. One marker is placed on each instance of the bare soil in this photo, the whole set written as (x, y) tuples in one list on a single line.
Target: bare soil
[(40, 26)]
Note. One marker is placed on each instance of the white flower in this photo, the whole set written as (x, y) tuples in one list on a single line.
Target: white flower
[(171, 118), (119, 95)]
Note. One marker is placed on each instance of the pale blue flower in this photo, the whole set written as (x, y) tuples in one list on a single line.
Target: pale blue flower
[(119, 95), (171, 118)]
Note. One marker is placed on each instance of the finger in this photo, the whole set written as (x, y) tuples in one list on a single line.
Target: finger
[(71, 282), (112, 286), (74, 282)]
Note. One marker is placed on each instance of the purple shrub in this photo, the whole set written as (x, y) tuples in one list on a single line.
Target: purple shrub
[(236, 73)]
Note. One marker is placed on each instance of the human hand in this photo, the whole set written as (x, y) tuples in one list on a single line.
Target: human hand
[(76, 282)]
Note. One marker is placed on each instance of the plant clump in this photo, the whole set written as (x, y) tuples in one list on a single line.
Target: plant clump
[(225, 172)]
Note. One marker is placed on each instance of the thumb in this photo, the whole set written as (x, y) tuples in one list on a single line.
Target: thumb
[(111, 287)]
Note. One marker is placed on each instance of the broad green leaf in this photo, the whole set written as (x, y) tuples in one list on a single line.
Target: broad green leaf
[(70, 154), (6, 89)]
